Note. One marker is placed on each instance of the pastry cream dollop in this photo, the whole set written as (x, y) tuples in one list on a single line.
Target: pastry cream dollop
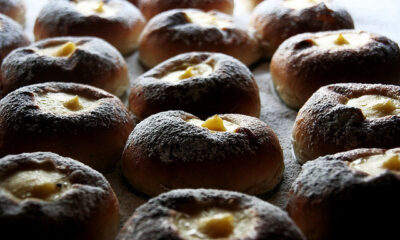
[(378, 164), (341, 40), (215, 223), (63, 103), (207, 20), (196, 70), (62, 50), (375, 106), (38, 184), (301, 4), (94, 7), (215, 124)]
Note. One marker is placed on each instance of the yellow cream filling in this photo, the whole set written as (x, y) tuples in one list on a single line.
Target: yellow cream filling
[(62, 50), (63, 103), (207, 20), (215, 124), (341, 40), (376, 106), (301, 4), (94, 7), (215, 223), (196, 70), (378, 164), (38, 184)]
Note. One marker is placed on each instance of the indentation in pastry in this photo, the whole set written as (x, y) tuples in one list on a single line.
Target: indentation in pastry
[(94, 7), (376, 106), (63, 103), (336, 41), (378, 164), (207, 20), (197, 70), (300, 4), (63, 50), (215, 124)]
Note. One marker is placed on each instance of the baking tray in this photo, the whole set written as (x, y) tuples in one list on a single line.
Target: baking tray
[(376, 16)]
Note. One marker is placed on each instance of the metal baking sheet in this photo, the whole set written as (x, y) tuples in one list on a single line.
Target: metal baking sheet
[(376, 16)]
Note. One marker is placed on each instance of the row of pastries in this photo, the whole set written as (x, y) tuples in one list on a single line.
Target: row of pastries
[(191, 123)]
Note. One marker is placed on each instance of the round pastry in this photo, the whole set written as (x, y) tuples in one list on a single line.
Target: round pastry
[(12, 36), (253, 3), (197, 82), (175, 149), (349, 195), (116, 21), (342, 117), (15, 9), (74, 120), (209, 214), (277, 20), (150, 8), (46, 196), (66, 59), (187, 30), (306, 62)]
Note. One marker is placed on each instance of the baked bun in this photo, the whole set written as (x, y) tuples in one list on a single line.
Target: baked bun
[(74, 120), (208, 214), (14, 9), (349, 195), (46, 196), (277, 20), (198, 82), (116, 21), (253, 3), (342, 117), (188, 30), (12, 36), (306, 62), (66, 59), (150, 8), (175, 149)]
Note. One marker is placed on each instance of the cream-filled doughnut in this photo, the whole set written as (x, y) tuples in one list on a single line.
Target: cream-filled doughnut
[(116, 21), (208, 214), (276, 20), (201, 83), (46, 196), (306, 62), (349, 195), (84, 60), (342, 117), (175, 149), (188, 30), (74, 120)]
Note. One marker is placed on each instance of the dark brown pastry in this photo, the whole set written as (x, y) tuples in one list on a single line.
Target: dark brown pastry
[(12, 36), (198, 82), (277, 20), (14, 9), (74, 120), (46, 196), (116, 21), (342, 117), (208, 214), (175, 149), (185, 30), (349, 195), (66, 59), (306, 62), (150, 8)]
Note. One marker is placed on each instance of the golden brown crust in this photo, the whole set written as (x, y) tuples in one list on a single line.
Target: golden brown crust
[(89, 210), (299, 68), (95, 137), (174, 30), (274, 22), (150, 8), (165, 152), (153, 219), (122, 30), (12, 36), (329, 200), (325, 125), (230, 88), (94, 62), (15, 9)]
